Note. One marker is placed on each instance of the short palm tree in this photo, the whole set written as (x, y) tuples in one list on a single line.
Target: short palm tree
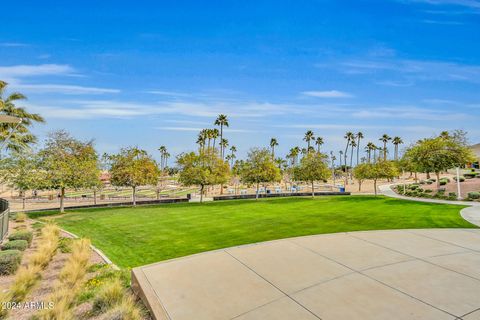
[(221, 121), (385, 138), (21, 138), (223, 146), (349, 136), (163, 152), (233, 149), (215, 134), (309, 136), (273, 144), (396, 142), (319, 143)]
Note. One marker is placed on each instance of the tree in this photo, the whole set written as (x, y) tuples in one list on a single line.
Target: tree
[(440, 153), (349, 136), (223, 146), (221, 121), (21, 171), (273, 144), (359, 137), (259, 168), (379, 170), (396, 142), (163, 153), (385, 138), (362, 172), (233, 149), (319, 143), (133, 167), (202, 169), (20, 135), (68, 163), (309, 136), (312, 168)]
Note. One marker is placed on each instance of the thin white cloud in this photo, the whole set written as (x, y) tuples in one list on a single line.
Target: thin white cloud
[(327, 94), (475, 4), (20, 71), (63, 89), (13, 44)]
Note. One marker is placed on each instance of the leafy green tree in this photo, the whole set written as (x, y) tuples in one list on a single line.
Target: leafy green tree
[(312, 168), (375, 171), (202, 169), (21, 137), (440, 153), (68, 163), (133, 167), (21, 172), (259, 168)]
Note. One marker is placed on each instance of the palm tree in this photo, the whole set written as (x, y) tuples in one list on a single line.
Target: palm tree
[(359, 137), (294, 155), (221, 121), (385, 138), (309, 136), (349, 136), (233, 149), (163, 151), (353, 144), (340, 157), (18, 134), (223, 146), (202, 137), (273, 144), (215, 134), (319, 142), (369, 148), (396, 141), (166, 156)]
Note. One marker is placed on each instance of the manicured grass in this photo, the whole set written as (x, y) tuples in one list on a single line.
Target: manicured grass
[(142, 235)]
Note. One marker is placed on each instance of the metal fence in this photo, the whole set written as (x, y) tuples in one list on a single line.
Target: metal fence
[(4, 216)]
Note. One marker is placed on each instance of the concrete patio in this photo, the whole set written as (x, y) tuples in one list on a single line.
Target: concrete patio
[(398, 274)]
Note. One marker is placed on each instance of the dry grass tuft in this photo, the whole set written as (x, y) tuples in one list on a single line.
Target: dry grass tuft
[(20, 217), (109, 295), (126, 310), (25, 279)]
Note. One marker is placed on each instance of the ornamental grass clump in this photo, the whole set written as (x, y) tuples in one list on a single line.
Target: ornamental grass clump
[(20, 217), (70, 281), (109, 295), (25, 278), (126, 310)]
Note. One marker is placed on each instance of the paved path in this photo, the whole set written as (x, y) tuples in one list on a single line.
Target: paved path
[(399, 274), (471, 214)]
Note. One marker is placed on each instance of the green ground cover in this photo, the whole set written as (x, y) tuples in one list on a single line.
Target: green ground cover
[(136, 236)]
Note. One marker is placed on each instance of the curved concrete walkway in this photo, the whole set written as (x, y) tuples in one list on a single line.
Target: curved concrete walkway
[(398, 274), (471, 214)]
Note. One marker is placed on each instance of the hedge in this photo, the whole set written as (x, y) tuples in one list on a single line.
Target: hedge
[(21, 235), (9, 261), (15, 245)]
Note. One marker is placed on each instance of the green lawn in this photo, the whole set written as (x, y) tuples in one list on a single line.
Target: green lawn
[(142, 235)]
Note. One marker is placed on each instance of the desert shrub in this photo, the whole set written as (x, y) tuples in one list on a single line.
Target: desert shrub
[(462, 179), (9, 261), (65, 245), (414, 186), (21, 235), (422, 182), (470, 175), (20, 217), (474, 195), (109, 295), (25, 279), (428, 191), (126, 310), (432, 180), (15, 245)]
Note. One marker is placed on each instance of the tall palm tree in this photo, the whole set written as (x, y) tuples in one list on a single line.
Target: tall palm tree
[(221, 121), (396, 141), (215, 134), (166, 156), (369, 148), (223, 146), (273, 144), (18, 135), (349, 136), (309, 136), (385, 138), (340, 153), (233, 149), (163, 151), (353, 144), (359, 137), (202, 136), (319, 143)]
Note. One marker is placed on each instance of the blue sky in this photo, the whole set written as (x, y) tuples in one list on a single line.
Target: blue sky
[(154, 73)]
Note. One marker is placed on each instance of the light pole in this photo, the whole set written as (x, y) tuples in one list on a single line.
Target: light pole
[(459, 195)]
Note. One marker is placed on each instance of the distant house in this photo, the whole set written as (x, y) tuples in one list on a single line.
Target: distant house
[(476, 150)]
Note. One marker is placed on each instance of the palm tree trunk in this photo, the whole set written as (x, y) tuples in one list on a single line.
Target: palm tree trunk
[(221, 139), (358, 150), (384, 151)]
